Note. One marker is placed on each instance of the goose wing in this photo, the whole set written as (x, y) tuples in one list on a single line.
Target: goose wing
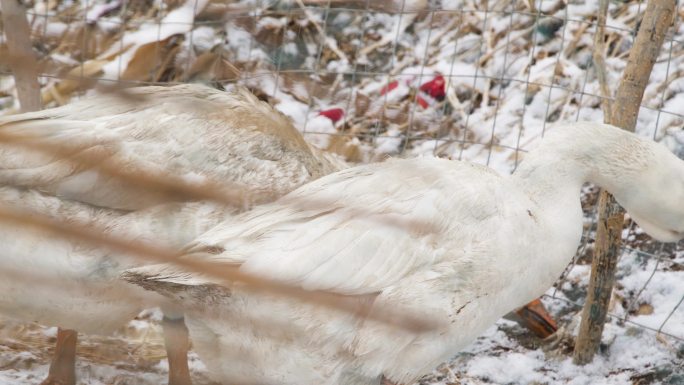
[(189, 131), (358, 231)]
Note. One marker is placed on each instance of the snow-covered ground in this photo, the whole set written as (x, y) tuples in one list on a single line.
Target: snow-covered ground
[(134, 355), (460, 79)]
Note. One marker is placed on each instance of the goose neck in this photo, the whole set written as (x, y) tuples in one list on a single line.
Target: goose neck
[(582, 152)]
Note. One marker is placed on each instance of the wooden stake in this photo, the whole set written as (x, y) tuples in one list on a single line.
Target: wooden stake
[(22, 61), (656, 21), (177, 342), (63, 366)]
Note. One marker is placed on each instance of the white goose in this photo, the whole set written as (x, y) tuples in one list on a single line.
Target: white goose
[(487, 244), (186, 130)]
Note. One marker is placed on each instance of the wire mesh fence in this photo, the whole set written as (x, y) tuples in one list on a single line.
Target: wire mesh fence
[(470, 80)]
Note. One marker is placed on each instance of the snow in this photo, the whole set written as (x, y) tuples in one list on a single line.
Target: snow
[(134, 355), (319, 130), (178, 21), (497, 359), (514, 368), (97, 10)]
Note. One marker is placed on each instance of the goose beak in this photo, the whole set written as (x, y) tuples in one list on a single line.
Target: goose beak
[(535, 317)]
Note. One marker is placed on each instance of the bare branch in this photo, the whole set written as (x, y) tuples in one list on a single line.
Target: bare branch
[(657, 19), (600, 60)]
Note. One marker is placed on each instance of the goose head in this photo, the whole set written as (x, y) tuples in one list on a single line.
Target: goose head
[(655, 200), (644, 176)]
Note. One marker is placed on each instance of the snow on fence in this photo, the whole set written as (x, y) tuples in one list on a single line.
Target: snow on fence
[(479, 81)]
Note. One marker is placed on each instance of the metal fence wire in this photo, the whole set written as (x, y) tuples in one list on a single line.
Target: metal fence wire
[(479, 81)]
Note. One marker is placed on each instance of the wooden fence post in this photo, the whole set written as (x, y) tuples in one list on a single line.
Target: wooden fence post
[(22, 61), (656, 21)]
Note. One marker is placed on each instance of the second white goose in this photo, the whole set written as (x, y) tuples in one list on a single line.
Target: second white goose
[(190, 131), (451, 240)]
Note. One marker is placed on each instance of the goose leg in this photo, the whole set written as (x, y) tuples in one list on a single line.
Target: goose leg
[(385, 381), (535, 317), (63, 366), (177, 344)]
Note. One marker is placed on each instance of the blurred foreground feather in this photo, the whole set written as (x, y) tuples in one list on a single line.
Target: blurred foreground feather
[(167, 187), (227, 275)]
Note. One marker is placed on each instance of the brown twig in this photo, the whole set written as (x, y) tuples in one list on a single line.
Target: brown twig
[(599, 54), (330, 43), (77, 78)]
